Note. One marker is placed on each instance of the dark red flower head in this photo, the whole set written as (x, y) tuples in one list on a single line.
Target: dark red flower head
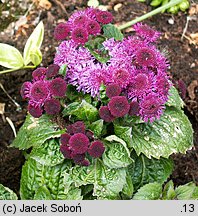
[(85, 163), (80, 35), (182, 88), (39, 91), (146, 57), (105, 114), (58, 87), (25, 90), (118, 106), (80, 20), (35, 111), (52, 71), (93, 27), (64, 139), (134, 108), (65, 151), (78, 158), (79, 143), (96, 149), (70, 129), (39, 73), (78, 127), (104, 17), (90, 135), (61, 31), (52, 106), (113, 90)]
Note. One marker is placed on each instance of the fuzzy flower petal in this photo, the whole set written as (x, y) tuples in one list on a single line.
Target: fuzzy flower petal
[(35, 110), (79, 35), (93, 27), (62, 31), (104, 17), (25, 90), (96, 149), (105, 114), (113, 90), (52, 71), (58, 87), (39, 73), (52, 106), (64, 139), (79, 143)]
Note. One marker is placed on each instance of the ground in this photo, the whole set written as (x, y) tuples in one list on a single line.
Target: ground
[(181, 51)]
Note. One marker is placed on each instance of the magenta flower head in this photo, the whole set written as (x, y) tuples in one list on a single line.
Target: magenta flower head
[(35, 110), (93, 27), (61, 31), (58, 87), (105, 114), (25, 90), (80, 20), (121, 76), (80, 35), (104, 17), (70, 129), (134, 108), (52, 71), (118, 106), (65, 151), (39, 91), (151, 107), (146, 32), (78, 127), (146, 56), (78, 158), (64, 139), (39, 73), (96, 149), (52, 106), (79, 143), (113, 90)]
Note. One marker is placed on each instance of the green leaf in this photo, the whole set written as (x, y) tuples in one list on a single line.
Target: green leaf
[(96, 127), (144, 170), (124, 133), (36, 175), (168, 192), (42, 193), (107, 182), (7, 194), (84, 111), (10, 57), (171, 134), (116, 154), (110, 31), (151, 191), (35, 131), (33, 43), (36, 56), (174, 99), (48, 154), (128, 189), (187, 192), (63, 70)]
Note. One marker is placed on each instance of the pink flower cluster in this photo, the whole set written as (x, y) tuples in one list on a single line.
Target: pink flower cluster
[(44, 91), (78, 141), (82, 24), (135, 64)]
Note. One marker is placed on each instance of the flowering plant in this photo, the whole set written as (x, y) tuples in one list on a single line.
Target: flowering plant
[(104, 118)]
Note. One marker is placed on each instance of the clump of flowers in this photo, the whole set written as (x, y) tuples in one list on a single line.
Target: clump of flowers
[(77, 142), (44, 92)]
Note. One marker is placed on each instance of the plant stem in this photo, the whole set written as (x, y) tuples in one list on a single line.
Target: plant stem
[(147, 15), (15, 69)]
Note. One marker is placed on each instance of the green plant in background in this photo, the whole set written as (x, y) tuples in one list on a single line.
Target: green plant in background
[(11, 58), (183, 5)]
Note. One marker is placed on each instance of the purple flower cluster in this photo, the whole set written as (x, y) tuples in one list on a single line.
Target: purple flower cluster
[(44, 91), (82, 24), (78, 141), (135, 64)]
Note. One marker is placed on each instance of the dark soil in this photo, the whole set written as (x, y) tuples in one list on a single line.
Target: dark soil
[(181, 53)]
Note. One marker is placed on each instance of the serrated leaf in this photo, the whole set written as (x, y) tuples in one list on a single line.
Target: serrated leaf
[(124, 133), (42, 193), (168, 191), (10, 57), (34, 42), (116, 154), (110, 31), (97, 127), (36, 175), (144, 170), (107, 182), (35, 131), (128, 189), (174, 99), (7, 194), (151, 191), (171, 134), (48, 154), (187, 192), (83, 111)]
